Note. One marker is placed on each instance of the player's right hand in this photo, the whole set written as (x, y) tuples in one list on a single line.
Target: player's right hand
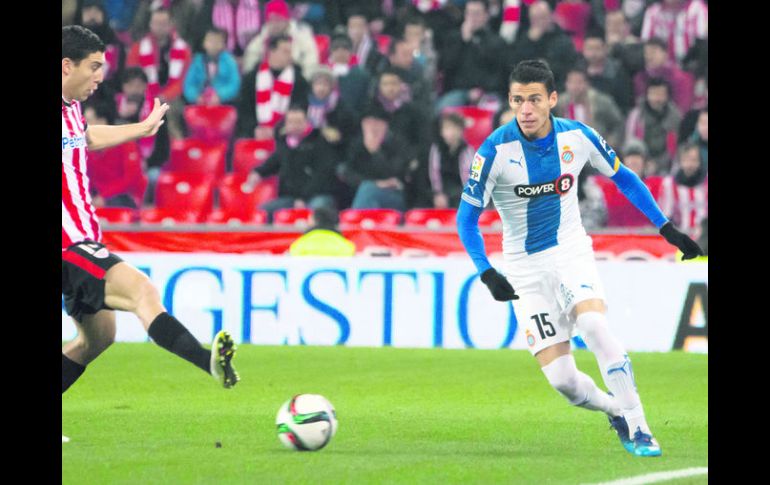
[(674, 236), (500, 288)]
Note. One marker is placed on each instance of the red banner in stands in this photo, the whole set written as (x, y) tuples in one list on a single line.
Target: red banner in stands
[(371, 242)]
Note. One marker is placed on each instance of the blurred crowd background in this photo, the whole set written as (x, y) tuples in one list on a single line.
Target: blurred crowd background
[(362, 105)]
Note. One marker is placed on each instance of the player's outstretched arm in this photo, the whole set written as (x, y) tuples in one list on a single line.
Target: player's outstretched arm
[(104, 136), (634, 189), (468, 229)]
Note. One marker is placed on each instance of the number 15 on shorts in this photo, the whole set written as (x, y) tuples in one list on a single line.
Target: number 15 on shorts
[(541, 321)]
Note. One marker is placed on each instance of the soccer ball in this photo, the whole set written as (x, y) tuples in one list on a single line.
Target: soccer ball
[(306, 422)]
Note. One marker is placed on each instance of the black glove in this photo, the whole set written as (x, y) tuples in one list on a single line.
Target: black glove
[(689, 248), (500, 288)]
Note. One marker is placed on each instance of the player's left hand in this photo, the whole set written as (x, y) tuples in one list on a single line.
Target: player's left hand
[(674, 236), (500, 288), (155, 119)]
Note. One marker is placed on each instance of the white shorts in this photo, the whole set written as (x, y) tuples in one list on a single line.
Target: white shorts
[(549, 284)]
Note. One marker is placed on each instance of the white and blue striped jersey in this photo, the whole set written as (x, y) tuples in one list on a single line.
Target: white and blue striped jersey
[(534, 183)]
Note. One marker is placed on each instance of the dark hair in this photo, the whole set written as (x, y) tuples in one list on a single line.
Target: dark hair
[(594, 34), (533, 71), (78, 42), (687, 146), (391, 71), (453, 118), (272, 43), (341, 41), (375, 110), (657, 82), (101, 109), (160, 10), (394, 43), (658, 42), (413, 19), (325, 217), (131, 73), (358, 12), (579, 67), (297, 106), (217, 30)]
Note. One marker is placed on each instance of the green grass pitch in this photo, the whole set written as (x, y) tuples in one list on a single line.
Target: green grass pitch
[(142, 415)]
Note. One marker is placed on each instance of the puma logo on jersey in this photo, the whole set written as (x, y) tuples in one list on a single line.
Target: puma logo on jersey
[(472, 187), (559, 186), (517, 162)]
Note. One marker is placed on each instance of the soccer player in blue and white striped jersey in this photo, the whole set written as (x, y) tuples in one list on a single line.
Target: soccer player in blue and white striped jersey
[(529, 168)]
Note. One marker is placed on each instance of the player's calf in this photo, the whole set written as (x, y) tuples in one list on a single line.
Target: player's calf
[(578, 388)]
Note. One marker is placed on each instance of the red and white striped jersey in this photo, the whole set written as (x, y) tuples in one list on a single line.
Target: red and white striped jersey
[(685, 206), (78, 216)]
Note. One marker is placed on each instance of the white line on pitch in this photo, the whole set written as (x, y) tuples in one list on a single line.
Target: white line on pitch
[(658, 477)]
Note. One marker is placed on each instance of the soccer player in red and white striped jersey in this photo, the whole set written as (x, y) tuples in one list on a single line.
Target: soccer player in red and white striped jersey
[(94, 281)]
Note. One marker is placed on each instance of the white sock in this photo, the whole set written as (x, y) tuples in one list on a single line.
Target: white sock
[(578, 388), (615, 367)]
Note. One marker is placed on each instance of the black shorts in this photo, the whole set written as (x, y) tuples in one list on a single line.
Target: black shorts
[(83, 266)]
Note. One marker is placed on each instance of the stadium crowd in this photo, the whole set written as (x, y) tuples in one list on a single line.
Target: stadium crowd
[(380, 104)]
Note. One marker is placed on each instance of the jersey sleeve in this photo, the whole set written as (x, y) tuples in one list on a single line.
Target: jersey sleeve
[(601, 156), (483, 176)]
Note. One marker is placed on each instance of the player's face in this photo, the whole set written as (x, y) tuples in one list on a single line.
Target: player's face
[(532, 107), (83, 78)]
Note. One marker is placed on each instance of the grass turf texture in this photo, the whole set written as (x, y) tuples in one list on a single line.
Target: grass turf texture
[(142, 415)]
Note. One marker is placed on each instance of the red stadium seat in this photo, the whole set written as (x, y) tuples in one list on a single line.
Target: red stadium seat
[(383, 43), (117, 215), (431, 217), (248, 153), (478, 123), (168, 216), (236, 202), (291, 217), (370, 218), (197, 156), (236, 218), (322, 41), (128, 160), (490, 218), (210, 123), (620, 211), (193, 192)]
